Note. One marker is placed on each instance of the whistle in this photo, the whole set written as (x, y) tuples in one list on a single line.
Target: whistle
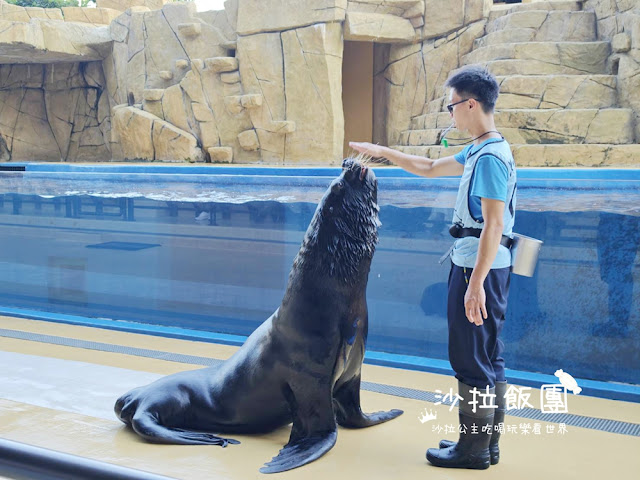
[(443, 139)]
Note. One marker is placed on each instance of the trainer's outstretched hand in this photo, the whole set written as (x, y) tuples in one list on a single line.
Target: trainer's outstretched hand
[(375, 151)]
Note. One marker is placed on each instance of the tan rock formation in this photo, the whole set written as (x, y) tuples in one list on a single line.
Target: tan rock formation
[(312, 73), (258, 16), (553, 91), (94, 16), (619, 22), (378, 27), (564, 91), (144, 136), (443, 56), (440, 21), (289, 75), (249, 140), (122, 5), (261, 80), (224, 20), (552, 155), (261, 69), (220, 154), (51, 41), (53, 113), (402, 84)]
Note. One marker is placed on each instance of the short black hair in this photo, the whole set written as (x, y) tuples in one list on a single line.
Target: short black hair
[(476, 82)]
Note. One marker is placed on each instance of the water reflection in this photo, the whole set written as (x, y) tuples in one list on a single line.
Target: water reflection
[(223, 266), (618, 240)]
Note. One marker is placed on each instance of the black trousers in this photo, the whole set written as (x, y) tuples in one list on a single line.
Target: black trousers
[(475, 352)]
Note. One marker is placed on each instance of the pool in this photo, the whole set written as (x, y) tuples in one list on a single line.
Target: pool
[(197, 251)]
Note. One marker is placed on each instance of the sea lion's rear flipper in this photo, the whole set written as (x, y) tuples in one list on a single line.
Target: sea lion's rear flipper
[(313, 434), (347, 406), (147, 426)]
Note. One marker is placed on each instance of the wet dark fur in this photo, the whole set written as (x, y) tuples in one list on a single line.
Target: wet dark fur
[(302, 365), (343, 233)]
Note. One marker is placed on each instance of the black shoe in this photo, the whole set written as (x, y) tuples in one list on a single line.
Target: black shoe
[(498, 419), (472, 449)]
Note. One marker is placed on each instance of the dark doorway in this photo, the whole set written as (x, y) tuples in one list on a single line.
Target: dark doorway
[(357, 93)]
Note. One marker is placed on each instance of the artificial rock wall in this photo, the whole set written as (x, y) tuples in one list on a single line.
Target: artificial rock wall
[(164, 81), (200, 92), (54, 112), (262, 81), (53, 102), (409, 76), (618, 21), (568, 74)]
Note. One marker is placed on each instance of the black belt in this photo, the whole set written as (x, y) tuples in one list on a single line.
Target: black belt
[(457, 231), (475, 232)]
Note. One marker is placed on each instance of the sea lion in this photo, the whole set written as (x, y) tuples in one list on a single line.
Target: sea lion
[(303, 364)]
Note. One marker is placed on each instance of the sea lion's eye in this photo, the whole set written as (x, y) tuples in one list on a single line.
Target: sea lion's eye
[(330, 209), (337, 187)]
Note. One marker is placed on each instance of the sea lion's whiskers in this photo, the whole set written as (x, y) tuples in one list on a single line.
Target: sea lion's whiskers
[(361, 158), (364, 159)]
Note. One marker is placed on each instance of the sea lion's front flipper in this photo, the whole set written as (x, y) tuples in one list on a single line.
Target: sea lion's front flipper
[(147, 426), (300, 452), (314, 430), (347, 406)]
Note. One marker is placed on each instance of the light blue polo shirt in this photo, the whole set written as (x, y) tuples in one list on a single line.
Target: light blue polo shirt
[(489, 181)]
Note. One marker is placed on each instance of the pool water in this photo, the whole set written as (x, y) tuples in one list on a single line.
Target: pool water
[(213, 253)]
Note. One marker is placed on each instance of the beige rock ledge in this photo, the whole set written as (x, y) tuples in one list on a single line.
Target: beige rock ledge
[(553, 91), (122, 5), (233, 77), (12, 12), (594, 155), (190, 30), (221, 64), (394, 7), (153, 94), (377, 27), (15, 13), (255, 16), (51, 41), (221, 154), (417, 10), (442, 18), (144, 136), (535, 6), (253, 100), (249, 140), (95, 16), (587, 57), (182, 64), (233, 104)]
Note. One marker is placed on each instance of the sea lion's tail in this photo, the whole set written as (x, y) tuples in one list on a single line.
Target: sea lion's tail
[(146, 425)]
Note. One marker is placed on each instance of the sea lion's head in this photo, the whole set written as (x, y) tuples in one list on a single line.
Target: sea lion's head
[(343, 233)]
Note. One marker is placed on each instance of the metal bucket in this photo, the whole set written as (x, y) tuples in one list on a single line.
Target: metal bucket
[(524, 254)]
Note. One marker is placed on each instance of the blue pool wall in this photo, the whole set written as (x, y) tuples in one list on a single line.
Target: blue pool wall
[(579, 312)]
